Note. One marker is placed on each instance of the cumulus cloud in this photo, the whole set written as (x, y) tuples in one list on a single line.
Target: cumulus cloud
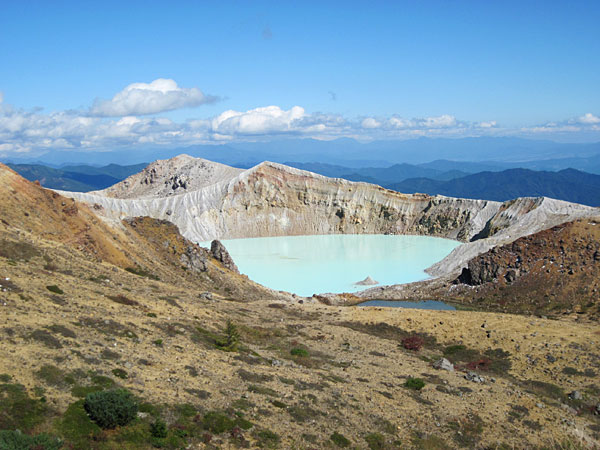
[(36, 131), (259, 121), (589, 118), (150, 98), (583, 124)]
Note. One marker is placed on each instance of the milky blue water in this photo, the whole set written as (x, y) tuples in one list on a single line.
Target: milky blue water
[(424, 304), (307, 265)]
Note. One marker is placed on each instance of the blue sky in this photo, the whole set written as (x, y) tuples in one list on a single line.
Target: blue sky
[(367, 70)]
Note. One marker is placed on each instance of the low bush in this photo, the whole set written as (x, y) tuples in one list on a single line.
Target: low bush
[(414, 383), (414, 343), (54, 288), (375, 441), (217, 422), (120, 373), (340, 440), (158, 429), (231, 339), (110, 409), (15, 440), (297, 351)]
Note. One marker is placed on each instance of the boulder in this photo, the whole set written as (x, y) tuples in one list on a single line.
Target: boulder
[(366, 282), (194, 259), (474, 377), (220, 253), (443, 364)]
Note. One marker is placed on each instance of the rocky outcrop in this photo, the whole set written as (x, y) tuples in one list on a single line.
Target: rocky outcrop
[(220, 253), (274, 200), (194, 259), (367, 282), (164, 178)]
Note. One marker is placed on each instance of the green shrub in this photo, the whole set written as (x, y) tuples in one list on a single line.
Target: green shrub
[(375, 441), (18, 410), (15, 440), (111, 408), (414, 383), (158, 342), (120, 373), (299, 352), (340, 440), (232, 338), (268, 439), (54, 288), (158, 429), (217, 422)]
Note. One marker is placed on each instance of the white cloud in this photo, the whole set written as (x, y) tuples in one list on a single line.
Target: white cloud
[(36, 132), (444, 121), (259, 121), (150, 98), (370, 123), (589, 119)]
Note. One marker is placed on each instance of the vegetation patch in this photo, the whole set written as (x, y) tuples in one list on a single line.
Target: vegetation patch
[(142, 273), (375, 441), (62, 330), (51, 375), (262, 390), (254, 377), (120, 373), (302, 413), (217, 422), (415, 384), (122, 300), (55, 289), (467, 431), (267, 439), (18, 411), (383, 330), (77, 428), (19, 251), (107, 353), (15, 440), (111, 408), (414, 343), (340, 440), (298, 351)]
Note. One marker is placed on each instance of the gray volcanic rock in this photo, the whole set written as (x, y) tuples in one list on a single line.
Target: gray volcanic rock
[(221, 254), (443, 364), (366, 282), (174, 176), (194, 259)]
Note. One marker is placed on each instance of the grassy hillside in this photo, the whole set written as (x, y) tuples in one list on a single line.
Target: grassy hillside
[(213, 360)]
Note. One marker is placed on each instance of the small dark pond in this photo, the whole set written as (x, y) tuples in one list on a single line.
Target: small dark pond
[(425, 304)]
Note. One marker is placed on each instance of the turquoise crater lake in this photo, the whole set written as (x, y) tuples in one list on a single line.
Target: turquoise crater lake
[(307, 265)]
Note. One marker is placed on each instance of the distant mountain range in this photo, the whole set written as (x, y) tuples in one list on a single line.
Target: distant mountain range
[(81, 178), (503, 152), (438, 177), (569, 184)]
